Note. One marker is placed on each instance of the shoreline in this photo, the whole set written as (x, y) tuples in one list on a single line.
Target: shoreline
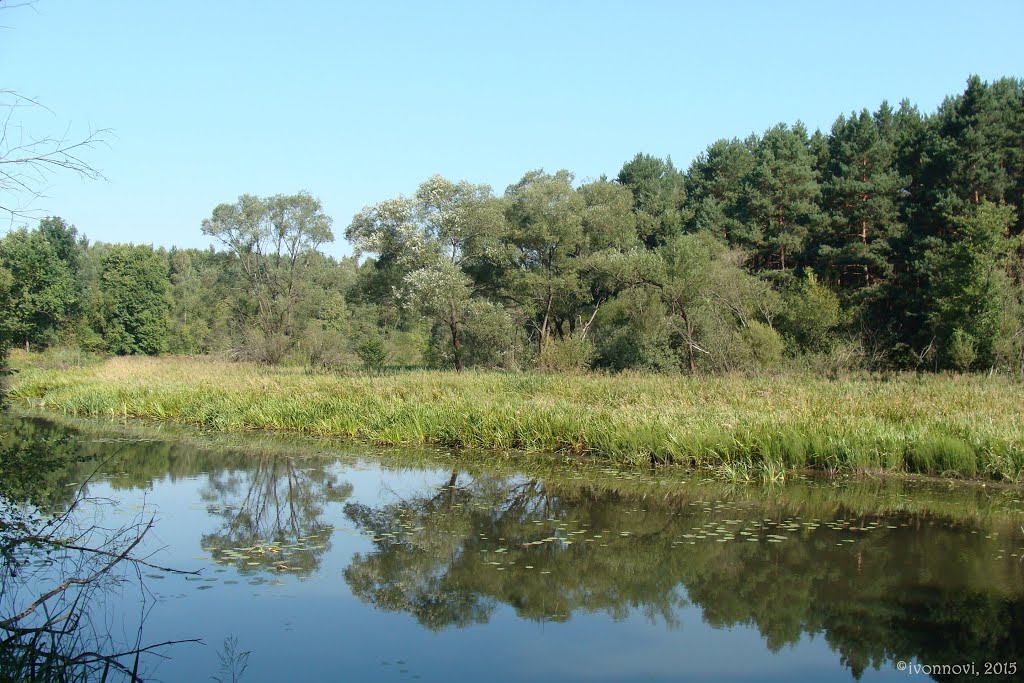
[(760, 428), (814, 494)]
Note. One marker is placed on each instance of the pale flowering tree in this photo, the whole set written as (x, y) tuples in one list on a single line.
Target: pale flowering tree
[(389, 230), (436, 240), (441, 292), (462, 220)]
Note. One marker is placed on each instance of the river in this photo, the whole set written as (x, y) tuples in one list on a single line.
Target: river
[(332, 562)]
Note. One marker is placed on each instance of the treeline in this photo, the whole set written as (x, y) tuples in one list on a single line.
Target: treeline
[(894, 240)]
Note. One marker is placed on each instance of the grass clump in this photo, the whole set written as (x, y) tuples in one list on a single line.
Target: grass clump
[(745, 427)]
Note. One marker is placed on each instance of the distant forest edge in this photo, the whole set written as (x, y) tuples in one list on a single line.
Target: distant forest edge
[(891, 241)]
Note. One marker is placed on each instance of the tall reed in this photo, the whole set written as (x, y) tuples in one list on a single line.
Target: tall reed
[(761, 426)]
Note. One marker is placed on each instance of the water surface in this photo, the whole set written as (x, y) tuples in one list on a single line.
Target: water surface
[(330, 563)]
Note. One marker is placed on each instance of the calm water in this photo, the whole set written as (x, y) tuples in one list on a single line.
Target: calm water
[(329, 564)]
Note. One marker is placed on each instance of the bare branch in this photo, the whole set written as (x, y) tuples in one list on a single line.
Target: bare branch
[(28, 161), (76, 581)]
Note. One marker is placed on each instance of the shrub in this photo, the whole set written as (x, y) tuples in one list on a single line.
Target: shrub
[(371, 351), (567, 354), (962, 350)]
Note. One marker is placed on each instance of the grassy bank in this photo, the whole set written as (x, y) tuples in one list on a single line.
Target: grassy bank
[(744, 427)]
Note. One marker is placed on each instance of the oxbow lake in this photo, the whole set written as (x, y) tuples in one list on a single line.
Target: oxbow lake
[(333, 562)]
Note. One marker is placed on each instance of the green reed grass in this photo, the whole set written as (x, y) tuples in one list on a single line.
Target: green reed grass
[(761, 426)]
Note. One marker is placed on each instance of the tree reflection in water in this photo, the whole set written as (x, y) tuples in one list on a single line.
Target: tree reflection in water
[(878, 588), (60, 561), (272, 514), (926, 581)]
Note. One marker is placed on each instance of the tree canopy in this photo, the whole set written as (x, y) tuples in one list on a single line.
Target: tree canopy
[(891, 240)]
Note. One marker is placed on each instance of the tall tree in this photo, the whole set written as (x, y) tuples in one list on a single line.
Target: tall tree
[(715, 184), (547, 246), (274, 240), (42, 292), (204, 295), (861, 193), (966, 279), (64, 239), (659, 197), (982, 134), (135, 300), (780, 199), (435, 243)]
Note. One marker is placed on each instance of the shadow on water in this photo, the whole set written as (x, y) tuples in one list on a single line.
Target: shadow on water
[(60, 563), (883, 571)]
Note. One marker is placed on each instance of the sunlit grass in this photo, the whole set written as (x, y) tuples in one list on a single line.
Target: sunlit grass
[(746, 427)]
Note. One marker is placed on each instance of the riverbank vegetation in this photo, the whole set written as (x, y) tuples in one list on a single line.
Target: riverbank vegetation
[(171, 449), (743, 427), (733, 316), (890, 241)]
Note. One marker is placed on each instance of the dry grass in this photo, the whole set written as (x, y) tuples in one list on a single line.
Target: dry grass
[(745, 427)]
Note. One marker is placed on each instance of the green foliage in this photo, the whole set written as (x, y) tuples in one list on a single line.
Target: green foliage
[(41, 292), (566, 354), (64, 239), (489, 338), (715, 184), (435, 243), (634, 330), (204, 296), (756, 346), (963, 351), (546, 240), (275, 241), (811, 315), (659, 197), (324, 347), (371, 351), (861, 193), (780, 199), (134, 301), (965, 277), (265, 348)]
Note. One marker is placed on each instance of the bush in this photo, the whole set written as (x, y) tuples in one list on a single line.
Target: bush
[(325, 348), (841, 358), (633, 331), (754, 347), (266, 349), (962, 351), (490, 339), (567, 354), (811, 315), (371, 351)]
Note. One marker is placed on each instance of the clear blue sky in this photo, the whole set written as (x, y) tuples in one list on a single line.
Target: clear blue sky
[(358, 102)]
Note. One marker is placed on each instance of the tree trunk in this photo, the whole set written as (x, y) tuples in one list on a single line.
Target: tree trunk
[(456, 344), (689, 343)]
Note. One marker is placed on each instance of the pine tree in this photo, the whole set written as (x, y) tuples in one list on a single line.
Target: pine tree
[(779, 202), (659, 196), (861, 192), (714, 184)]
